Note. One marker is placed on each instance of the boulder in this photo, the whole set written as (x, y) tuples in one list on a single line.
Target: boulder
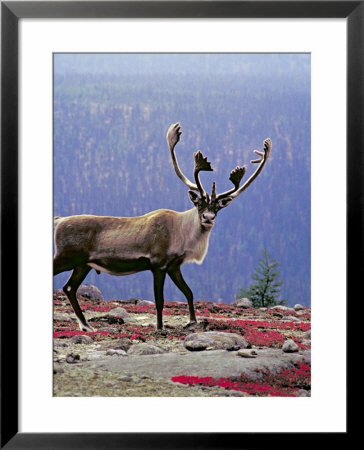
[(214, 340), (290, 346), (298, 307), (244, 303), (91, 292), (117, 344), (119, 312), (282, 307)]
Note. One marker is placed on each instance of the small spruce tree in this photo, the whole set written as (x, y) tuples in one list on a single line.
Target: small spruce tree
[(265, 291)]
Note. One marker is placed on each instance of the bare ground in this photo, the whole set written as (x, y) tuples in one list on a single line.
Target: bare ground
[(87, 370)]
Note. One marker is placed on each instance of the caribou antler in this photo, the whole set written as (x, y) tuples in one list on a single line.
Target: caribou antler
[(201, 164), (173, 136), (237, 174)]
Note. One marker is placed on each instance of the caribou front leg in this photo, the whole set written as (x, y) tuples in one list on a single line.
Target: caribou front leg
[(70, 289), (177, 278), (159, 277)]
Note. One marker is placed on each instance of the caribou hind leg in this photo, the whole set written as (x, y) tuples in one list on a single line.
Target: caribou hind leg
[(176, 276), (159, 277), (70, 288)]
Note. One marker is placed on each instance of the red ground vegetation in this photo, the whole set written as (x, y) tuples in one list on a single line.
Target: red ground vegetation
[(286, 383)]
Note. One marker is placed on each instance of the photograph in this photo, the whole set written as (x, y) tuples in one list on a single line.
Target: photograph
[(181, 224)]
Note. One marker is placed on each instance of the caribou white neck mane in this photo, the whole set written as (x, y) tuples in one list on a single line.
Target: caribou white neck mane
[(192, 238)]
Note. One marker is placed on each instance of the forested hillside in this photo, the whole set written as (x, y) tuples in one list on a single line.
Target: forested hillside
[(111, 115)]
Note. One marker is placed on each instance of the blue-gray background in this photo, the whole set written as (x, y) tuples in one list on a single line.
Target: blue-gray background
[(111, 115)]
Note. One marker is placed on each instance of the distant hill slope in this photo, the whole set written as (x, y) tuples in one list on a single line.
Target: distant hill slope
[(111, 158)]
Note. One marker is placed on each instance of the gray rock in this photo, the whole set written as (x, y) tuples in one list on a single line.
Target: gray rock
[(91, 292), (213, 340), (118, 344), (244, 303), (94, 356), (303, 393), (247, 354), (139, 301), (125, 378), (307, 356), (298, 307), (119, 312), (72, 359), (282, 307), (113, 352), (60, 344), (81, 339), (145, 349), (290, 346)]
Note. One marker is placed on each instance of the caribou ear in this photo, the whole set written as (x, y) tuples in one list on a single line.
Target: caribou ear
[(194, 197), (224, 202)]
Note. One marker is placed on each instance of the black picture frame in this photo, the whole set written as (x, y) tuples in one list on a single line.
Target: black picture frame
[(11, 12)]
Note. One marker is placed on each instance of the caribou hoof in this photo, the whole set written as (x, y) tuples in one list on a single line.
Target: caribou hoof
[(86, 327)]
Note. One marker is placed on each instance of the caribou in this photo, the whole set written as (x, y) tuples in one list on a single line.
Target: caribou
[(160, 241)]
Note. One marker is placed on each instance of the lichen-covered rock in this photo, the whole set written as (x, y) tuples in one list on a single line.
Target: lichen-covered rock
[(290, 346), (213, 340)]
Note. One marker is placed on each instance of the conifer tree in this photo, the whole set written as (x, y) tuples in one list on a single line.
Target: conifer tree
[(266, 288)]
